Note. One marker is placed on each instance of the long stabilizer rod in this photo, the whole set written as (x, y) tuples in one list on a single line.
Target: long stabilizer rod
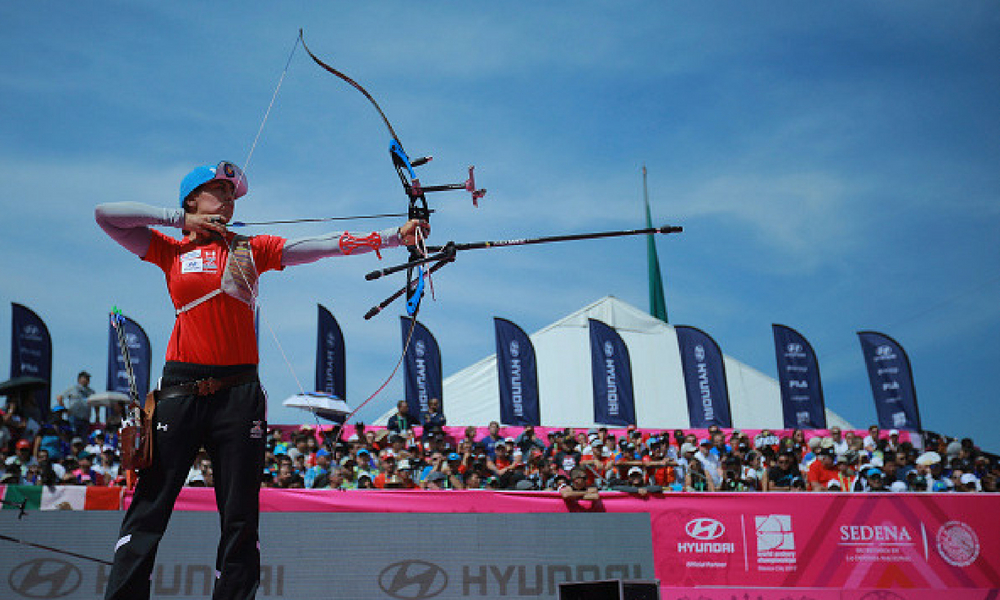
[(439, 251), (560, 238)]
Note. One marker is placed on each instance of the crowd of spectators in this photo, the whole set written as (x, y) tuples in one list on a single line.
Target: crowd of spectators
[(70, 448), (582, 463)]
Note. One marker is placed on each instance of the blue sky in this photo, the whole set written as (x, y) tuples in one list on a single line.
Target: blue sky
[(835, 168)]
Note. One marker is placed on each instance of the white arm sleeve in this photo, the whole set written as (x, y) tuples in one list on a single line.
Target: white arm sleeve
[(310, 249), (128, 223)]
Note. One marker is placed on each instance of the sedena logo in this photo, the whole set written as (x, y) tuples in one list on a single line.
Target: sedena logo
[(957, 543), (413, 580), (704, 529)]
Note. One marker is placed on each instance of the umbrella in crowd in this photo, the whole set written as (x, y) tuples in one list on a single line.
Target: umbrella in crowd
[(326, 406)]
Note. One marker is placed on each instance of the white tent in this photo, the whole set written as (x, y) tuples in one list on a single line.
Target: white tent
[(472, 397)]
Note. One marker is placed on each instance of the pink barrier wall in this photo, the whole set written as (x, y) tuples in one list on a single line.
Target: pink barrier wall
[(773, 540)]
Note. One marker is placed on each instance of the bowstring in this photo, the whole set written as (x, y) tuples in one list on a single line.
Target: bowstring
[(253, 289), (267, 113)]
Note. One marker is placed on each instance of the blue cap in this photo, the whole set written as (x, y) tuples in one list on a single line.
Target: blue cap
[(454, 456), (225, 171), (322, 452), (364, 451)]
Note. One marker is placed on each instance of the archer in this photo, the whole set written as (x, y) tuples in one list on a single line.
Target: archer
[(210, 394)]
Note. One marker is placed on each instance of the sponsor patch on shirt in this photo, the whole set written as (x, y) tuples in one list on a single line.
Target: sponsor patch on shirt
[(191, 262), (202, 260), (211, 260)]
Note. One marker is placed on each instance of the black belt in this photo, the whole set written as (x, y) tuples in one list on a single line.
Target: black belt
[(205, 387)]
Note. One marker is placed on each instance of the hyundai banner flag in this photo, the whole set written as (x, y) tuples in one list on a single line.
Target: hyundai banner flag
[(422, 369), (31, 352), (611, 370), (704, 378), (331, 356), (139, 352), (892, 382), (517, 373), (798, 375)]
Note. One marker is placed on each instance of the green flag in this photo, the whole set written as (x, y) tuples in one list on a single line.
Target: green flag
[(13, 495), (657, 302)]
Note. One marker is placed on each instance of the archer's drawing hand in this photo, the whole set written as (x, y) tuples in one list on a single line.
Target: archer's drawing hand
[(203, 224)]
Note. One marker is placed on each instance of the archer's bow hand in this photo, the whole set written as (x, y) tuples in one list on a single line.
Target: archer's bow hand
[(408, 232)]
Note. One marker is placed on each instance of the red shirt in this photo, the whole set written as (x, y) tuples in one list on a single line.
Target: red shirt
[(820, 473), (221, 330)]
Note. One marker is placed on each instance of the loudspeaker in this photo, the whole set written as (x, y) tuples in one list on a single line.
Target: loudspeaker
[(610, 589)]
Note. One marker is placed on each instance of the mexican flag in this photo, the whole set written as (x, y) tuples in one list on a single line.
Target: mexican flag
[(61, 497)]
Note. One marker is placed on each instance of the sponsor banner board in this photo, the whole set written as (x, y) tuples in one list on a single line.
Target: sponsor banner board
[(817, 543), (329, 556)]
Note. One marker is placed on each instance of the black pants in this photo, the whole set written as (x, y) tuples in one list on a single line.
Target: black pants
[(231, 425)]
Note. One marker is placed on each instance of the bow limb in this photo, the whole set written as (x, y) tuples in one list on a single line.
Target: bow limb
[(417, 208), (353, 84)]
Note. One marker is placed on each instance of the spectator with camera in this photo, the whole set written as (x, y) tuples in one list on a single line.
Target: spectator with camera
[(527, 441), (696, 479), (454, 470), (51, 472), (929, 474), (732, 476)]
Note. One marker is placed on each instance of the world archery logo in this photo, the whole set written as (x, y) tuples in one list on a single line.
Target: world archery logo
[(420, 348), (775, 543), (699, 353), (515, 349), (413, 580), (609, 349), (45, 578)]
